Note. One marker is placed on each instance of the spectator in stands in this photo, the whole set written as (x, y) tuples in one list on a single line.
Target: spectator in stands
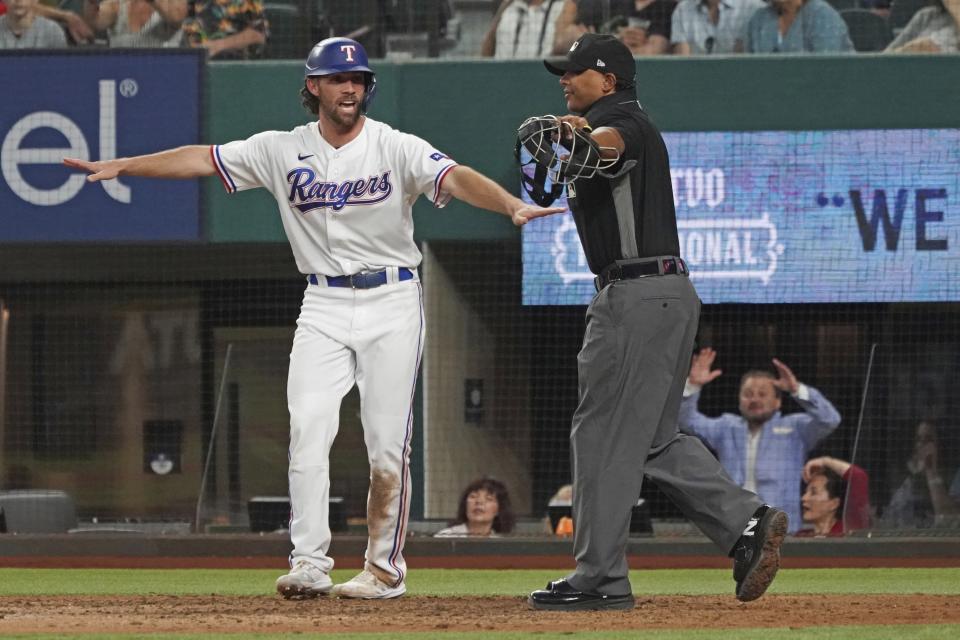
[(923, 500), (22, 28), (227, 29), (563, 497), (522, 29), (138, 23), (934, 29), (568, 28), (484, 511), (797, 26), (75, 26), (762, 450), (3, 7), (340, 18), (711, 26), (564, 525), (837, 498), (642, 25)]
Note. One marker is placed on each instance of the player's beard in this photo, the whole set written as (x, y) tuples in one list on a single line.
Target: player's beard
[(333, 114)]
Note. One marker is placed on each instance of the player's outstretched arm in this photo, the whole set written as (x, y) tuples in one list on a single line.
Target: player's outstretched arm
[(477, 189), (191, 161)]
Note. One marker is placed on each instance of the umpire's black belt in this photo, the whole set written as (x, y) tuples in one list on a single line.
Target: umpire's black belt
[(362, 280), (640, 268)]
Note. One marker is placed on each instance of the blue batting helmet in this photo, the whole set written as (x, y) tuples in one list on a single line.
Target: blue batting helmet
[(341, 55)]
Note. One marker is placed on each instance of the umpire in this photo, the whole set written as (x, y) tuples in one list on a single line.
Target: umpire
[(636, 353)]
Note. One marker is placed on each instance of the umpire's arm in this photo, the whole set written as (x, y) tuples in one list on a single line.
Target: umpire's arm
[(192, 161), (607, 138)]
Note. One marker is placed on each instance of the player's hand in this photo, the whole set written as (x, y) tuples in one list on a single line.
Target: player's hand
[(785, 381), (528, 212), (102, 170), (700, 373)]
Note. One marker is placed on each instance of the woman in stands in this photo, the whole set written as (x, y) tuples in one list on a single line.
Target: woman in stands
[(484, 511), (836, 500)]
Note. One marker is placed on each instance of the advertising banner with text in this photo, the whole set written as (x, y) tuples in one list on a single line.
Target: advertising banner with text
[(800, 216), (97, 106)]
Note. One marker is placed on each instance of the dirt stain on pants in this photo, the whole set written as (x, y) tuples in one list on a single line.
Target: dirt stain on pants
[(383, 510)]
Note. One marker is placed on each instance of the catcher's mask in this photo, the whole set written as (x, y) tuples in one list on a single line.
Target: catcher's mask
[(561, 153), (535, 183), (342, 55)]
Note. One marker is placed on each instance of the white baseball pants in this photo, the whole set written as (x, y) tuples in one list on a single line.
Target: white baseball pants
[(372, 338)]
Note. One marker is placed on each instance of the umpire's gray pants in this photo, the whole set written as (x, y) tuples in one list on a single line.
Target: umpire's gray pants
[(632, 369)]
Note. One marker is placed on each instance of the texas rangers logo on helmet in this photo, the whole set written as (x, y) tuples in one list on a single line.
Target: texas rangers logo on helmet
[(341, 55)]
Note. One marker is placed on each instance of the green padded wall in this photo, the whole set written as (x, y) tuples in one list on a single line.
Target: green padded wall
[(470, 110)]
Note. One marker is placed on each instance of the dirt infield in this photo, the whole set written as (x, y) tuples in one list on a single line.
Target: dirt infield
[(219, 614)]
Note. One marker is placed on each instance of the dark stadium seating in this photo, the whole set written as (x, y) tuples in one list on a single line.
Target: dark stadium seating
[(868, 31), (289, 30), (841, 5), (901, 11)]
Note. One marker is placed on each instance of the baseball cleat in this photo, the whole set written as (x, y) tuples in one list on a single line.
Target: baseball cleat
[(304, 581), (560, 595), (367, 586), (756, 557)]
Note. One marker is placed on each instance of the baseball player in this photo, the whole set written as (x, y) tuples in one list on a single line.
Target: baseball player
[(345, 186)]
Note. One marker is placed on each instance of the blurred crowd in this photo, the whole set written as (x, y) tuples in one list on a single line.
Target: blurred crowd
[(227, 29), (505, 29), (771, 452)]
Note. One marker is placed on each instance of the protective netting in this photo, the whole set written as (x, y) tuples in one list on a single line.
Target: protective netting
[(143, 357)]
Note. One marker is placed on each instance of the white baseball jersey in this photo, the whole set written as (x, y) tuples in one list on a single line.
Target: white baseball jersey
[(344, 210)]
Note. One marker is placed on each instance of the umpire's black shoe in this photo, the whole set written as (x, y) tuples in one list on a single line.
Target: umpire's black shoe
[(756, 556), (561, 596)]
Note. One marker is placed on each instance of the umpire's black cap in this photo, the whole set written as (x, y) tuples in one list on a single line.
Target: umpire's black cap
[(600, 52)]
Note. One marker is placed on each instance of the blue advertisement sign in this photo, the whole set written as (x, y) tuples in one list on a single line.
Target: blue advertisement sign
[(793, 216), (96, 106)]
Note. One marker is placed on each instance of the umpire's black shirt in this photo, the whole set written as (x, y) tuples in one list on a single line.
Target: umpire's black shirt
[(627, 212)]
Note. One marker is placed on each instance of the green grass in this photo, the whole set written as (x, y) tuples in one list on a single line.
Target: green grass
[(449, 582), (893, 632)]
